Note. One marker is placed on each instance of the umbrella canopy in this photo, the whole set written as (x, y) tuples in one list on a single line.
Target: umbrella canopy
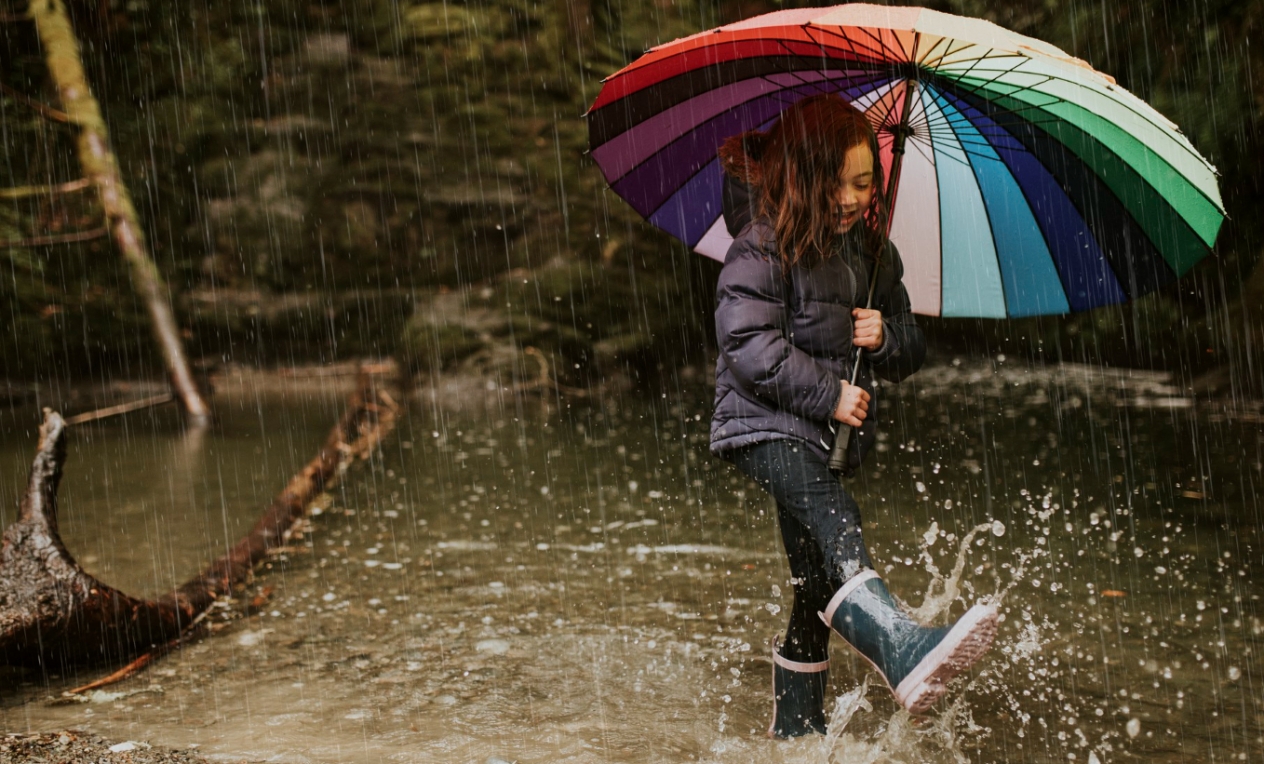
[(1030, 183)]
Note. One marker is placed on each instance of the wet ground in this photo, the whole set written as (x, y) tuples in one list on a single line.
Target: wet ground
[(527, 580)]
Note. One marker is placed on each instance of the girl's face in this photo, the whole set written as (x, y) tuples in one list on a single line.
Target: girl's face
[(855, 187)]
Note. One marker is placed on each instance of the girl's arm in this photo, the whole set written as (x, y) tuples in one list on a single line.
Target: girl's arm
[(750, 326), (904, 347)]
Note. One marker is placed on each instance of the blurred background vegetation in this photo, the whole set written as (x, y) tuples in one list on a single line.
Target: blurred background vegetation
[(332, 179)]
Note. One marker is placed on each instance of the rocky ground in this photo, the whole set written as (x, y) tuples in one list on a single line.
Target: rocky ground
[(72, 747)]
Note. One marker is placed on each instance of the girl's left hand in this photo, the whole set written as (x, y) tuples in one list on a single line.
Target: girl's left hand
[(866, 329)]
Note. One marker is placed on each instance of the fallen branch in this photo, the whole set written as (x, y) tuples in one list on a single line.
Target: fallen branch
[(59, 238), (52, 611), (22, 192), (47, 111), (127, 671), (122, 408)]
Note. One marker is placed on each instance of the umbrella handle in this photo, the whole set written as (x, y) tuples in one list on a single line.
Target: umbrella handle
[(838, 454)]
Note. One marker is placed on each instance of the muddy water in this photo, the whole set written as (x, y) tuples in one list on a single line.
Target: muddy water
[(543, 582)]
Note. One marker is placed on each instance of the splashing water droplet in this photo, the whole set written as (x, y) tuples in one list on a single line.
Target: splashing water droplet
[(931, 534), (998, 528)]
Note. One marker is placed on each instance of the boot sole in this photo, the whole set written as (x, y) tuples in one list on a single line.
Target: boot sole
[(968, 640), (964, 644)]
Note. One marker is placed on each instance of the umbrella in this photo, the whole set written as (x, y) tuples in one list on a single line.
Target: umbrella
[(1032, 184)]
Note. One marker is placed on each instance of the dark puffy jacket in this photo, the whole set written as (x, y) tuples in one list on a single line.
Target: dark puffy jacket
[(785, 342)]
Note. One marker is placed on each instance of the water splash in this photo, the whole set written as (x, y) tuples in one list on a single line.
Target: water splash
[(900, 738), (943, 591), (854, 739), (845, 707)]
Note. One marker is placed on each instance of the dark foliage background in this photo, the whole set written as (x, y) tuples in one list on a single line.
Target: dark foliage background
[(329, 179)]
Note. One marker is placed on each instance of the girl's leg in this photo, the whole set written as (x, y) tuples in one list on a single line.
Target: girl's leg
[(808, 493), (816, 518), (916, 661), (807, 637)]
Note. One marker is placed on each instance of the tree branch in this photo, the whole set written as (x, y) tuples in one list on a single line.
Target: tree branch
[(45, 110), (21, 192), (122, 408), (51, 239), (61, 49)]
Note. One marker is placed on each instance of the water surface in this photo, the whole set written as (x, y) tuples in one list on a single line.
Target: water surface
[(580, 581)]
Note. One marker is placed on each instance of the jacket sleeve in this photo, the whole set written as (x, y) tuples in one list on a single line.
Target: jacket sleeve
[(750, 325), (903, 348)]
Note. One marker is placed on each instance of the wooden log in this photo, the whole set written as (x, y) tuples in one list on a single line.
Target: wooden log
[(61, 49), (53, 612)]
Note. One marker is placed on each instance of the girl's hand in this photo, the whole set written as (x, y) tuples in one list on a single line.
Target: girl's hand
[(853, 405), (866, 329)]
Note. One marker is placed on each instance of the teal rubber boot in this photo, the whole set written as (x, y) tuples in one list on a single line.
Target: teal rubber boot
[(916, 661), (798, 696)]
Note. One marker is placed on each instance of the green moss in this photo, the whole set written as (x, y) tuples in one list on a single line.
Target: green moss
[(440, 21), (432, 347)]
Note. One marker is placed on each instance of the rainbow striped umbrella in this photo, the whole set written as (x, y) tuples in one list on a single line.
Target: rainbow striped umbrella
[(1030, 183)]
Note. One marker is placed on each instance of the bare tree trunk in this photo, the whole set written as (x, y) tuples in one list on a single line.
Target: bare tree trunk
[(61, 49), (51, 610)]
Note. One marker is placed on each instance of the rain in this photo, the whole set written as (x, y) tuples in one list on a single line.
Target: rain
[(394, 218)]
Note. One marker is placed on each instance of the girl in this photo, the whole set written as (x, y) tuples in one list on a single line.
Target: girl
[(789, 323)]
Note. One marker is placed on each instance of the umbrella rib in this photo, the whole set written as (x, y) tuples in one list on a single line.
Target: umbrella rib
[(984, 82), (795, 73), (961, 121), (926, 64), (851, 43), (812, 31), (1075, 204), (974, 63), (1108, 94), (777, 94), (947, 43), (822, 85), (859, 61), (691, 176), (1184, 146), (945, 122), (891, 101), (935, 98)]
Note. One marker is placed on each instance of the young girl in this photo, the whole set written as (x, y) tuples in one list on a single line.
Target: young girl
[(790, 320)]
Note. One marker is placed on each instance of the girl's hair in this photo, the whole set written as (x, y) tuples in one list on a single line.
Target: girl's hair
[(793, 171)]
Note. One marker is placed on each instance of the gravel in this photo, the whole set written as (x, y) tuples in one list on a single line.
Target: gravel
[(73, 747)]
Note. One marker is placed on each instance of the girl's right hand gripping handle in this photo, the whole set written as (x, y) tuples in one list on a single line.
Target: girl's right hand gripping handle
[(838, 454)]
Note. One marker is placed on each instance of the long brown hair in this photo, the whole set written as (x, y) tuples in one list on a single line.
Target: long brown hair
[(793, 170)]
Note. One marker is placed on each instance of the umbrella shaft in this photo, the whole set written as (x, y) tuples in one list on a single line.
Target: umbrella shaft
[(838, 454), (901, 133)]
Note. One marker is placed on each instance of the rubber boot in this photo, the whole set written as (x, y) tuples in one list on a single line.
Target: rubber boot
[(916, 661), (798, 696)]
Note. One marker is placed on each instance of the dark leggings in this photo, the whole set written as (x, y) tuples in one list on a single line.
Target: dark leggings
[(820, 527)]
